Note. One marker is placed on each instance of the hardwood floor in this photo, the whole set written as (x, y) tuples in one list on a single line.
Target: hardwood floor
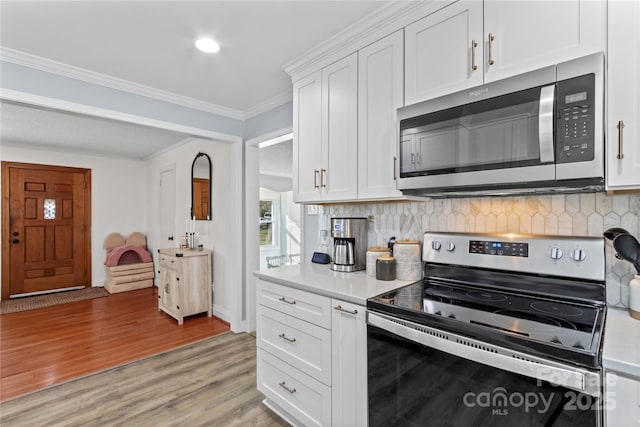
[(50, 345)]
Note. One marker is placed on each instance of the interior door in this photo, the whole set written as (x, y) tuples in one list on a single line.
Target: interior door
[(46, 222), (168, 207)]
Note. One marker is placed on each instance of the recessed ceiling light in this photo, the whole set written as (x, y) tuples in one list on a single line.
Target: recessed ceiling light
[(207, 45)]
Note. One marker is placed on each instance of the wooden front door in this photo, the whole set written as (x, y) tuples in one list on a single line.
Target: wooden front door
[(46, 228)]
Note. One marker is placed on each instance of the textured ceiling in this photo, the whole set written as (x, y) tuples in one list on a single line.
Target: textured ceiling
[(151, 42)]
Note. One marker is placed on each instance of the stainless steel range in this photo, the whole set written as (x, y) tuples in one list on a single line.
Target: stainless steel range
[(503, 330)]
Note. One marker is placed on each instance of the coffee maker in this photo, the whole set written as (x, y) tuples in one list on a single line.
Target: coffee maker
[(349, 244)]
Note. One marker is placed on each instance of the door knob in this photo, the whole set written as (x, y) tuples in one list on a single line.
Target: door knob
[(15, 241), (15, 234)]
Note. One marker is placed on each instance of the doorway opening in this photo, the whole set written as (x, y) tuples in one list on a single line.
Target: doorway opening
[(279, 218)]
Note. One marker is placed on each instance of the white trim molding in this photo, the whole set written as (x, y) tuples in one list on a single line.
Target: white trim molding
[(73, 107), (61, 69), (372, 27)]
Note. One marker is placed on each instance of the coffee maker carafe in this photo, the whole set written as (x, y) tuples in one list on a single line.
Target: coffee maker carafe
[(349, 244)]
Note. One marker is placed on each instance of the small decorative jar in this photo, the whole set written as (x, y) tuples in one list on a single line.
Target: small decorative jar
[(372, 255), (386, 267), (634, 297)]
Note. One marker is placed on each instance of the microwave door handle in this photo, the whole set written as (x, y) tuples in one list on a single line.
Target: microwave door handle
[(545, 124)]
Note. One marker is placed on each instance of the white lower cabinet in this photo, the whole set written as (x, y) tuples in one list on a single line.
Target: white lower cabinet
[(299, 395), (622, 400), (349, 397), (312, 358)]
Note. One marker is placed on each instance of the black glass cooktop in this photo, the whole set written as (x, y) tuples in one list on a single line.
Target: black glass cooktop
[(552, 316)]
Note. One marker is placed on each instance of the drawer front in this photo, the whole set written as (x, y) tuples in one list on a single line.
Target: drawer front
[(310, 307), (167, 261), (301, 344), (305, 398)]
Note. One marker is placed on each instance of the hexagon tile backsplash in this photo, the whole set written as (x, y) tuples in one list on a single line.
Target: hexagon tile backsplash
[(565, 214)]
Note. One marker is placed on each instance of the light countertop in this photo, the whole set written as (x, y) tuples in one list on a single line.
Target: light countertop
[(621, 343), (353, 287)]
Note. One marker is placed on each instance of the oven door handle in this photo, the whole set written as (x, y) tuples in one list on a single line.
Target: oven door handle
[(498, 357), (545, 123)]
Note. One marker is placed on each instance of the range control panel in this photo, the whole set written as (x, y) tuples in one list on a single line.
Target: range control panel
[(563, 256), (499, 248)]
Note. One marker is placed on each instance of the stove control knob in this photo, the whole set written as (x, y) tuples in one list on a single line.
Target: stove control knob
[(451, 316), (556, 340), (439, 313), (579, 255), (556, 253), (451, 246), (578, 345), (435, 245)]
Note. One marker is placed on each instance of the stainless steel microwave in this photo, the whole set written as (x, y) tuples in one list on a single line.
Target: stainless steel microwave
[(541, 131)]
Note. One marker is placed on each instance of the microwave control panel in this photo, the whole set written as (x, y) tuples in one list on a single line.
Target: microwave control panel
[(575, 103)]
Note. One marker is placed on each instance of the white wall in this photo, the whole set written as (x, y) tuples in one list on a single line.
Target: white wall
[(216, 234), (118, 195)]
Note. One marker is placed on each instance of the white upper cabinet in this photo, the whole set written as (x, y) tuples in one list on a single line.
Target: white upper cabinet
[(307, 135), (623, 96), (444, 52), (325, 133), (339, 173), (473, 42), (521, 36), (380, 94)]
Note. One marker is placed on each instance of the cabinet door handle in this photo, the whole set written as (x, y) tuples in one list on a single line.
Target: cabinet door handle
[(323, 174), (284, 386), (283, 299), (315, 178), (339, 308), (166, 287), (284, 337), (395, 168), (491, 39), (620, 141), (413, 158), (474, 45)]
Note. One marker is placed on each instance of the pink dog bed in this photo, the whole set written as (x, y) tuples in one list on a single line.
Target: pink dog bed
[(126, 254)]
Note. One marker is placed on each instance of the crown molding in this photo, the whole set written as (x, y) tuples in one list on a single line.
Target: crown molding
[(269, 104), (65, 70), (381, 22)]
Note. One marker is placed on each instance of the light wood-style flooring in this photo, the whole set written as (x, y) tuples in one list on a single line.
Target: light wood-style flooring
[(208, 383), (50, 345)]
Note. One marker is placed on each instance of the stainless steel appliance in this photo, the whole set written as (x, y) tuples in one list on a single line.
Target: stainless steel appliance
[(541, 131), (349, 244), (503, 330)]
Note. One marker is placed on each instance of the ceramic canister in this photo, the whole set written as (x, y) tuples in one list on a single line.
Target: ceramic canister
[(372, 254), (408, 260), (386, 268)]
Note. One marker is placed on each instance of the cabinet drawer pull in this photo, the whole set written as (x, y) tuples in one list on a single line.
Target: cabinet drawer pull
[(323, 174), (284, 337), (288, 301), (474, 45), (491, 39), (620, 135), (315, 178), (339, 308), (284, 386)]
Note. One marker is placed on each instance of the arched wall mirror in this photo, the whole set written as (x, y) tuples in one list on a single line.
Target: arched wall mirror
[(201, 187)]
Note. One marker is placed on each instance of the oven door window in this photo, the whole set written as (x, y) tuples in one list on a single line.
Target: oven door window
[(413, 385), (498, 133)]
